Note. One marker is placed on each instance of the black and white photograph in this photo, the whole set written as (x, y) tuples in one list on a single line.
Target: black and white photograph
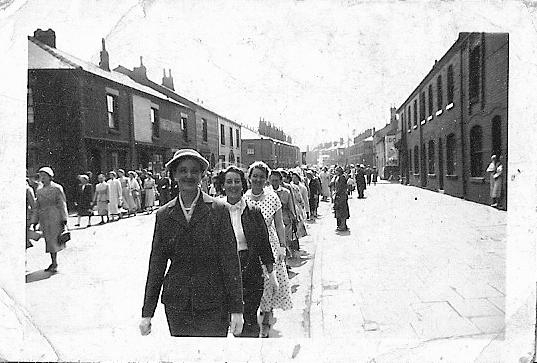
[(268, 181)]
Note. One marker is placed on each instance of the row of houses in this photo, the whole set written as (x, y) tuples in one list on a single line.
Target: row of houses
[(87, 117), (442, 136)]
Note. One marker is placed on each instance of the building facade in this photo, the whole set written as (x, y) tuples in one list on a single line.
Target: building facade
[(362, 151), (229, 145), (275, 153), (386, 153), (83, 117), (456, 118)]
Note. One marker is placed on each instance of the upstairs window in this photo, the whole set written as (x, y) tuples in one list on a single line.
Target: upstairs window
[(111, 103), (237, 138), (422, 106), (30, 102), (155, 122), (439, 94), (416, 113), (204, 130), (231, 136), (416, 159), (409, 117), (450, 154), (430, 113), (250, 150), (450, 85), (184, 126), (476, 151), (474, 73), (222, 136)]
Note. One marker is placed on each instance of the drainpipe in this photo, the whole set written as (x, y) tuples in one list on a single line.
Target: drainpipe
[(463, 155), (132, 141)]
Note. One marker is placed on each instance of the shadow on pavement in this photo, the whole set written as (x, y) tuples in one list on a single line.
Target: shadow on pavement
[(38, 276)]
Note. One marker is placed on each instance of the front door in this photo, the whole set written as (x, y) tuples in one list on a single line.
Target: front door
[(423, 166), (440, 165)]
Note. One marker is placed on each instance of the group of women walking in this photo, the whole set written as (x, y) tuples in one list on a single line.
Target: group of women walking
[(227, 254)]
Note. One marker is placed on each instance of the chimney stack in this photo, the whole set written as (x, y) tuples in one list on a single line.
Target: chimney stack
[(167, 81), (140, 72), (104, 63), (47, 37)]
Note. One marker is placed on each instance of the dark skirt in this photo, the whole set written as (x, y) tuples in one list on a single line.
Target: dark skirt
[(252, 292), (341, 207), (84, 210), (187, 322)]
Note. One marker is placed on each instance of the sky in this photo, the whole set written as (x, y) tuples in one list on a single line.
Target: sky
[(320, 70)]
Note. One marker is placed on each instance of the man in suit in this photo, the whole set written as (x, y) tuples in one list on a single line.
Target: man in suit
[(202, 287)]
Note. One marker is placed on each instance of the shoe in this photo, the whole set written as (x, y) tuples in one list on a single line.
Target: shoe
[(265, 329), (77, 225), (495, 205), (52, 268)]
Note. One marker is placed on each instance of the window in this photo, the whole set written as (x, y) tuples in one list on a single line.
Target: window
[(238, 139), (250, 150), (111, 103), (422, 106), (450, 85), (474, 73), (439, 95), (204, 130), (497, 136), (409, 117), (450, 154), (30, 102), (155, 122), (222, 136), (114, 160), (416, 159), (184, 126), (476, 151), (415, 113), (430, 113), (231, 136), (431, 157), (409, 160)]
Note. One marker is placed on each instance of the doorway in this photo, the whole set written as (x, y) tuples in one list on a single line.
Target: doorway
[(440, 165), (423, 166)]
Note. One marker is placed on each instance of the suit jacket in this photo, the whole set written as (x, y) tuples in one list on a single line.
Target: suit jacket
[(259, 249), (204, 273)]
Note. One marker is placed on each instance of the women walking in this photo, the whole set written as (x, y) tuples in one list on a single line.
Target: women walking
[(134, 189), (115, 198), (84, 198), (202, 286), (149, 187), (271, 208), (341, 203), (495, 170), (31, 204), (51, 214), (164, 187), (253, 246), (126, 195), (102, 198)]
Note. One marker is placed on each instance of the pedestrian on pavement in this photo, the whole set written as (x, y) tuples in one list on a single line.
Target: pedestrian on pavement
[(304, 207), (495, 170), (51, 214), (314, 189), (202, 287), (141, 180), (31, 204), (253, 246), (84, 197), (164, 189), (341, 203), (114, 196), (351, 185), (102, 198), (288, 210), (134, 189), (324, 176), (368, 173), (375, 175), (128, 200), (150, 189), (294, 192), (271, 208), (360, 181)]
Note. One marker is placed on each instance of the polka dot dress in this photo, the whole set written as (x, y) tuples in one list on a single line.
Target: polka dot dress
[(269, 203)]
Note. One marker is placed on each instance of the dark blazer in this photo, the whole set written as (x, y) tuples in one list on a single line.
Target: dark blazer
[(204, 273), (84, 197), (259, 249)]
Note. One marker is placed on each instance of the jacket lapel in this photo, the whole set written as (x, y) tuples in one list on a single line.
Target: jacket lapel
[(176, 213), (201, 209)]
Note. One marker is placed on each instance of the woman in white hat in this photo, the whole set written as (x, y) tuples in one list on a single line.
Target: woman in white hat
[(202, 287), (51, 214)]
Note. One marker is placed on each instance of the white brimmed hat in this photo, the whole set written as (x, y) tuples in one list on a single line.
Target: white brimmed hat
[(190, 153), (47, 170)]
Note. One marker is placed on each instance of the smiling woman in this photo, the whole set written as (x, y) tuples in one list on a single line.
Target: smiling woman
[(202, 286)]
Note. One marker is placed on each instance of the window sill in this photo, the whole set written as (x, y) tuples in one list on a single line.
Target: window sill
[(416, 174), (438, 113), (452, 176), (433, 175), (430, 118), (113, 131), (422, 122), (477, 180), (450, 106), (415, 127), (408, 131)]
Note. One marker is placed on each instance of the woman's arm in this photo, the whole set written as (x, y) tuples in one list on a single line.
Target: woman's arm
[(263, 242), (62, 204), (280, 228)]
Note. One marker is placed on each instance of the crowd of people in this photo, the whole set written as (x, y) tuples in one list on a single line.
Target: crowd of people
[(229, 235)]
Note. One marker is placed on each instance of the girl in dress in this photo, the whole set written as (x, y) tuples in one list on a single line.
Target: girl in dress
[(115, 198), (128, 200), (149, 187), (271, 208), (102, 198)]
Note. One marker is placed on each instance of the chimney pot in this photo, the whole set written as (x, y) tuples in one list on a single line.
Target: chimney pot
[(47, 37), (104, 63)]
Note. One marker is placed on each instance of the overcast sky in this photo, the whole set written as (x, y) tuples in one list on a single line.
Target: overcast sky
[(317, 69)]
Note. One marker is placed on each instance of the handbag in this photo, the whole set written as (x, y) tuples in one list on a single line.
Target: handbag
[(34, 235), (64, 237)]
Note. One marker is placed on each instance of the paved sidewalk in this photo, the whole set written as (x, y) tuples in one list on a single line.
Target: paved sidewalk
[(416, 267)]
